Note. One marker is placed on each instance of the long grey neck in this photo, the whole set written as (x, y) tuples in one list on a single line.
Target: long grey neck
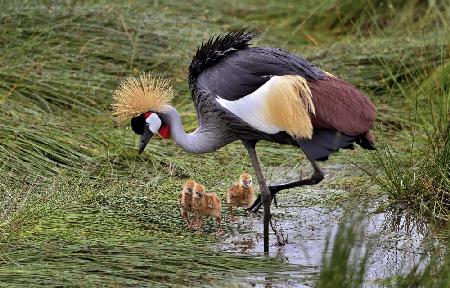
[(202, 140)]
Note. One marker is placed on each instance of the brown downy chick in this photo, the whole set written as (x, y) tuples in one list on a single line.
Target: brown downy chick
[(185, 200), (241, 194), (206, 204)]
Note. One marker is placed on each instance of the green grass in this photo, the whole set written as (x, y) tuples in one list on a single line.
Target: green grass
[(346, 266), (418, 176), (60, 150), (127, 253)]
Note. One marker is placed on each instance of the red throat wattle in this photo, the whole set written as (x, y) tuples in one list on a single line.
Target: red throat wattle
[(164, 130)]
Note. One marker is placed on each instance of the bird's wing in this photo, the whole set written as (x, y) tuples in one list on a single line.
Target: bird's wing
[(281, 104), (233, 188), (244, 71), (342, 107), (339, 105)]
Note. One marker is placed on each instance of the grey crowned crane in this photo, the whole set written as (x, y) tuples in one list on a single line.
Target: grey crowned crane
[(251, 94)]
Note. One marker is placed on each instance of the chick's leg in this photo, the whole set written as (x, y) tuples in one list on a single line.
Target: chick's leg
[(250, 215), (219, 221), (185, 215), (230, 208), (199, 224)]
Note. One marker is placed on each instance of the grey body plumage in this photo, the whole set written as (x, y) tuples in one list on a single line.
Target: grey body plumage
[(228, 67)]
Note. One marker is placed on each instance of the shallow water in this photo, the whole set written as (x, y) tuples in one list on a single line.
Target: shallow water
[(395, 241)]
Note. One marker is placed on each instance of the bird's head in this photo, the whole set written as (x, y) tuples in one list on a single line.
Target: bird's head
[(199, 191), (188, 187), (246, 180), (144, 99), (148, 124)]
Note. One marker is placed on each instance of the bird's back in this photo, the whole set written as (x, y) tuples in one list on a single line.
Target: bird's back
[(244, 71), (233, 193)]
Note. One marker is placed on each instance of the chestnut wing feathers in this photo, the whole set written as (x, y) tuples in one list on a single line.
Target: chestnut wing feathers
[(339, 105)]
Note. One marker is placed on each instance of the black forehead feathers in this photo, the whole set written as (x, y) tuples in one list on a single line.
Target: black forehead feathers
[(138, 124)]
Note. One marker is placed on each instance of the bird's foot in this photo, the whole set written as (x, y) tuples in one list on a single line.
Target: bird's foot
[(232, 218), (281, 240), (219, 232), (196, 224), (192, 224), (258, 203), (250, 215)]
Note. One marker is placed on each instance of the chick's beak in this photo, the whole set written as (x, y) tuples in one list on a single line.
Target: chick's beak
[(145, 137)]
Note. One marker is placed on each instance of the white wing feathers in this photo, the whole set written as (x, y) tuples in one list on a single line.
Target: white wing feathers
[(283, 103)]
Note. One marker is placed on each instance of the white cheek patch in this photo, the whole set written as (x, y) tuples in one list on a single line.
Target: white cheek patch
[(154, 122)]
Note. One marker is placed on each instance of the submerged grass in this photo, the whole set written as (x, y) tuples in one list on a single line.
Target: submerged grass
[(346, 266), (74, 247), (435, 274), (68, 173), (347, 263)]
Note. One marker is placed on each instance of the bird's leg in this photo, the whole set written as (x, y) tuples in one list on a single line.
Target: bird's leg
[(265, 193), (199, 223), (185, 215), (274, 199), (220, 230), (314, 179), (230, 208), (274, 189), (281, 241), (250, 215)]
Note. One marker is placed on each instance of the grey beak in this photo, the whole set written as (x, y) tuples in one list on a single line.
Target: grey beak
[(145, 137)]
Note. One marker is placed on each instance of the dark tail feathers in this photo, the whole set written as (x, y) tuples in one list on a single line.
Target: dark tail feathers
[(325, 141)]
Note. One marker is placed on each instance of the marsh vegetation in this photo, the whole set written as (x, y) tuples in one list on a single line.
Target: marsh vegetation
[(79, 206)]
